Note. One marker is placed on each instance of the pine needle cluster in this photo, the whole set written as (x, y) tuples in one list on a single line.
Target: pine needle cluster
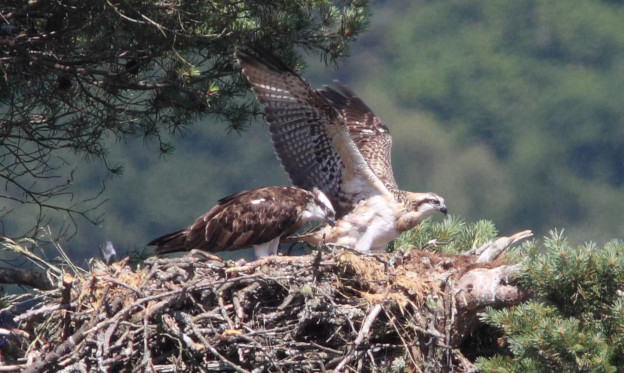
[(453, 235), (76, 75), (576, 319)]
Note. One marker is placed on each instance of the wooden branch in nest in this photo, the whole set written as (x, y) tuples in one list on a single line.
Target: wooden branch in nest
[(34, 279), (338, 310), (491, 250)]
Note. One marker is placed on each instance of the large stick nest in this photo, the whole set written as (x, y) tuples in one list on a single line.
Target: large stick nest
[(337, 310)]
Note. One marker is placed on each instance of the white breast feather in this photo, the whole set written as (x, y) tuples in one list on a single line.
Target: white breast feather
[(371, 224)]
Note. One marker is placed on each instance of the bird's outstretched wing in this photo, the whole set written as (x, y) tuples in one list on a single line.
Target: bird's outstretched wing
[(368, 132), (310, 137)]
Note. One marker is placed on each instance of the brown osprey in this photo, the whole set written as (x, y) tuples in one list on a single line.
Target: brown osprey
[(331, 140), (257, 217)]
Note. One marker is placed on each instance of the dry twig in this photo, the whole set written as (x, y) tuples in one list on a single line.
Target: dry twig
[(288, 314)]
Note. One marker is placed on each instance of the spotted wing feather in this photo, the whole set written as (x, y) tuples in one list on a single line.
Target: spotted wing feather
[(309, 135), (369, 133)]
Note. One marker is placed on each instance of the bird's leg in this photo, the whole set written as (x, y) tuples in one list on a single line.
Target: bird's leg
[(267, 248)]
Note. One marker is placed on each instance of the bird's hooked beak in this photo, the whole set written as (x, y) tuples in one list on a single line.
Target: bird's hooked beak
[(442, 209), (331, 221)]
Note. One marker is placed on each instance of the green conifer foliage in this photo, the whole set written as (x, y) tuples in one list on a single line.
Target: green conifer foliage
[(76, 74), (576, 319), (450, 236)]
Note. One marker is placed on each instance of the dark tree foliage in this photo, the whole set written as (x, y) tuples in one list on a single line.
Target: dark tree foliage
[(76, 73)]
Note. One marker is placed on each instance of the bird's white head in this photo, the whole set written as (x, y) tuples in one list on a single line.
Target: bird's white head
[(419, 206), (319, 208), (428, 203)]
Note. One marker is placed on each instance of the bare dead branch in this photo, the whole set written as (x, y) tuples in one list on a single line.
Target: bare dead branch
[(34, 279), (283, 314)]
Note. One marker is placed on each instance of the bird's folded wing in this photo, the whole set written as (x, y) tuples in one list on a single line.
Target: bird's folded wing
[(309, 136), (245, 219)]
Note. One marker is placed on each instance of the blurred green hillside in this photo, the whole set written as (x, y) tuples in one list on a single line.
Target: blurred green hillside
[(513, 111), (535, 90)]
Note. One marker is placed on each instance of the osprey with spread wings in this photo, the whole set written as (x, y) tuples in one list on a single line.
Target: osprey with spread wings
[(331, 140)]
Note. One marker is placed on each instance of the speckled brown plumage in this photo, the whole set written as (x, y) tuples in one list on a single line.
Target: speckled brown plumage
[(370, 135), (331, 140), (309, 135), (241, 220)]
